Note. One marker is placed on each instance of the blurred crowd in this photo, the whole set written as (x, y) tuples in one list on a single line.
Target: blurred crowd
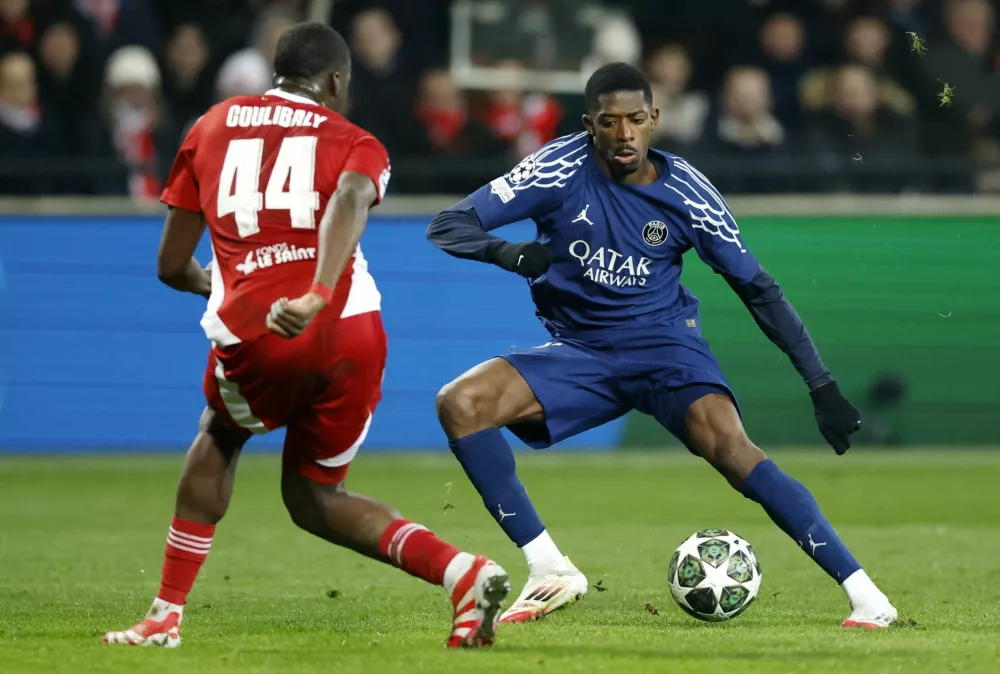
[(767, 95)]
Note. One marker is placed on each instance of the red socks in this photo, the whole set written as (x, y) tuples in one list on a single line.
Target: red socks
[(417, 551), (188, 544), (409, 546)]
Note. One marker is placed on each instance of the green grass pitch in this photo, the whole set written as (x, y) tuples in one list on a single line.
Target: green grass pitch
[(81, 541)]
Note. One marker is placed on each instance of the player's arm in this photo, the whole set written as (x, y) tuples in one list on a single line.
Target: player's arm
[(184, 226), (836, 416), (364, 178), (340, 230), (778, 320), (175, 262), (342, 225), (463, 230), (719, 244)]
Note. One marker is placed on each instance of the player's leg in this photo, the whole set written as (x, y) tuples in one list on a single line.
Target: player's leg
[(543, 395), (203, 495), (322, 439), (712, 428), (476, 585)]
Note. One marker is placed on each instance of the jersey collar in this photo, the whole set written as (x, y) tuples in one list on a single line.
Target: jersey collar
[(294, 98)]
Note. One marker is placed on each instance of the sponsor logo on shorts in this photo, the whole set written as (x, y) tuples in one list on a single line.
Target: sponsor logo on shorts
[(609, 267), (270, 256)]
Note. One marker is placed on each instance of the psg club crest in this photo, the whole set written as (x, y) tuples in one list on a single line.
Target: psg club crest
[(654, 233), (522, 171)]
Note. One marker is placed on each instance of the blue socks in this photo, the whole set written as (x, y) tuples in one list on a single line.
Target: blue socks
[(795, 511), (489, 463)]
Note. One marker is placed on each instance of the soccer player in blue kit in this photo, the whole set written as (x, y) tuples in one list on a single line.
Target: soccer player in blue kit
[(614, 219)]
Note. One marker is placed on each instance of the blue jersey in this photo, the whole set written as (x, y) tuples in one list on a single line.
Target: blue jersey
[(617, 249)]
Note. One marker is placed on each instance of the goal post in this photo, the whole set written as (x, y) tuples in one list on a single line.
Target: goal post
[(552, 41)]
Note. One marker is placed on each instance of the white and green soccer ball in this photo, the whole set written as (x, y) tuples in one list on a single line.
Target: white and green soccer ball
[(714, 575)]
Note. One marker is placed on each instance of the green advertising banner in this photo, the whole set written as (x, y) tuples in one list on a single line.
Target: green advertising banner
[(905, 312)]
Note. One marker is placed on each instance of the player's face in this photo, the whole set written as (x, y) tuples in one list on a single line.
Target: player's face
[(621, 127)]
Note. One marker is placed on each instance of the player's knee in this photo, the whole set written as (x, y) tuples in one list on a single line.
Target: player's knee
[(303, 506), (731, 453), (463, 406)]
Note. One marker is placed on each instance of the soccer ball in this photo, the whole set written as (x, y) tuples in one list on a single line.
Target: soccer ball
[(714, 575)]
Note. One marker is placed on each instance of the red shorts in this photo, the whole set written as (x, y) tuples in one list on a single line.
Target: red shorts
[(323, 386)]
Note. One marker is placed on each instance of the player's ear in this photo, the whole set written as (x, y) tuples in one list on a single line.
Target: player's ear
[(588, 124), (336, 84), (654, 117)]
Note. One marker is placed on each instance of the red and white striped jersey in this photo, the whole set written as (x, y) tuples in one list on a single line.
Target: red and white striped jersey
[(261, 169)]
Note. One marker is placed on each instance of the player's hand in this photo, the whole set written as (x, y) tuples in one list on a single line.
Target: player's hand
[(837, 417), (289, 318), (207, 272), (530, 260)]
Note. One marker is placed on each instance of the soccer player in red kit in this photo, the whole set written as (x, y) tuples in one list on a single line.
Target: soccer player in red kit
[(265, 173)]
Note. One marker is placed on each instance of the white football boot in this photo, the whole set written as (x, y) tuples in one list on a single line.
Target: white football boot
[(549, 587), (874, 616), (477, 596), (870, 607), (161, 627)]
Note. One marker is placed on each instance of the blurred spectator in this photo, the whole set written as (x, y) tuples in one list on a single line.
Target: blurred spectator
[(682, 112), (783, 49), (746, 133), (763, 62), (17, 29), (909, 15), (963, 61), (874, 136), (136, 129), (187, 86), (866, 42), (382, 91), (522, 121), (616, 39), (271, 25), (121, 22), (244, 73), (69, 81), (450, 131), (26, 132), (747, 124)]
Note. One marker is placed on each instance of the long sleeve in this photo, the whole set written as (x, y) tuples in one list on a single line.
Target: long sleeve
[(778, 320), (529, 191), (458, 232)]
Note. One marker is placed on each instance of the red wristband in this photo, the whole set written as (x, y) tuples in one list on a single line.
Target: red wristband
[(323, 291)]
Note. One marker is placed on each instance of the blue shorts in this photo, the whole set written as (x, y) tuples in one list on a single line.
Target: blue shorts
[(582, 386)]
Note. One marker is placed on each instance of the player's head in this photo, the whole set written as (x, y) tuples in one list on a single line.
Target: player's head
[(314, 58), (620, 116)]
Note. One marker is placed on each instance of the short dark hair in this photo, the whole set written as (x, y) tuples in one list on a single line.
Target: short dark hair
[(616, 77), (307, 50)]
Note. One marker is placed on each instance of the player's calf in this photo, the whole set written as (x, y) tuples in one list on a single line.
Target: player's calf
[(203, 496), (476, 585), (714, 431)]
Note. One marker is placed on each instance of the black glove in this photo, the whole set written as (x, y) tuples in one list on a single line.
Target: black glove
[(530, 260), (837, 418)]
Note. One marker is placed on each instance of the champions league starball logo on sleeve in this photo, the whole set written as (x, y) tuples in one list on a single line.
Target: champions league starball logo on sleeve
[(522, 171)]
